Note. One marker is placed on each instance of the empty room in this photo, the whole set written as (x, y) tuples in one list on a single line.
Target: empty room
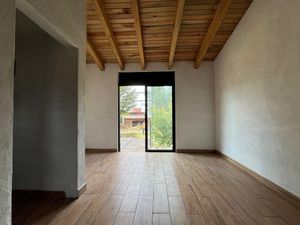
[(149, 112)]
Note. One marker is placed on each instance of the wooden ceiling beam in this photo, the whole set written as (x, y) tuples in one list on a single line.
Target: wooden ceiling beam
[(94, 54), (138, 30), (179, 12), (100, 9), (213, 28)]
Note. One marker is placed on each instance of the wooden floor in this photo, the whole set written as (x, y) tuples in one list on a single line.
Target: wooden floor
[(162, 189)]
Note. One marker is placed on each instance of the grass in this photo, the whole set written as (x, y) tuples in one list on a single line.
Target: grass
[(132, 133)]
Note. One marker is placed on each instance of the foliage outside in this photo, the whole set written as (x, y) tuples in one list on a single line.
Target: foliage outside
[(160, 111), (128, 98)]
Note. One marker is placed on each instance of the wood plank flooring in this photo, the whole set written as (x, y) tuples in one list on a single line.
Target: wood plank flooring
[(136, 188)]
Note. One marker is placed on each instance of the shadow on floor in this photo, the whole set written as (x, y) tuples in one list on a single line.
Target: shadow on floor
[(36, 207)]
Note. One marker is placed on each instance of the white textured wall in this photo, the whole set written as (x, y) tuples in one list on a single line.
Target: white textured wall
[(195, 128), (67, 18), (7, 42), (258, 92)]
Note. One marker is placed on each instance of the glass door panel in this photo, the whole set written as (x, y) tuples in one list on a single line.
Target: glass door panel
[(132, 118), (159, 118)]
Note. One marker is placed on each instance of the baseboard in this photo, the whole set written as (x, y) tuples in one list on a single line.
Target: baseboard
[(100, 150), (195, 151), (52, 194), (82, 190), (283, 192)]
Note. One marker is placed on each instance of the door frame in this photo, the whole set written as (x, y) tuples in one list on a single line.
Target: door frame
[(149, 79)]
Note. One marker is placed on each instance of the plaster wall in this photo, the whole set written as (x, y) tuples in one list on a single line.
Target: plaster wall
[(7, 43), (194, 95), (69, 25), (66, 22), (258, 92)]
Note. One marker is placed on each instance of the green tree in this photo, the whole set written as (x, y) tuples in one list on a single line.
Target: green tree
[(161, 116), (128, 98)]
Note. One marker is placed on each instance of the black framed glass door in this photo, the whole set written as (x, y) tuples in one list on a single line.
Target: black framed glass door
[(157, 129)]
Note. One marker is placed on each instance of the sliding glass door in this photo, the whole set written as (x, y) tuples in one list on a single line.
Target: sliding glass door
[(159, 118), (147, 111)]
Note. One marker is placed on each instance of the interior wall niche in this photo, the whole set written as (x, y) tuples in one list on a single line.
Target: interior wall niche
[(45, 111)]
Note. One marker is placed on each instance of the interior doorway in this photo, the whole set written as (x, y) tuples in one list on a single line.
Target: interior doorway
[(147, 112), (45, 157)]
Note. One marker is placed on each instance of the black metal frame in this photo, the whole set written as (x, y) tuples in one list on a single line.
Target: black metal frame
[(148, 79)]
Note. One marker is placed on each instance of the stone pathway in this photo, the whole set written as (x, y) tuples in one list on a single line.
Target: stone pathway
[(133, 144)]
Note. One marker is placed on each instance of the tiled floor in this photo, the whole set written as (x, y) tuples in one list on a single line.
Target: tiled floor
[(163, 189)]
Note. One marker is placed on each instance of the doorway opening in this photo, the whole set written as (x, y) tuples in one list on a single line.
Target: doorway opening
[(132, 118), (45, 120), (147, 112)]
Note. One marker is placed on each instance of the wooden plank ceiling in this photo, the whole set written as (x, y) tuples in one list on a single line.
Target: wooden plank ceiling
[(143, 31)]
